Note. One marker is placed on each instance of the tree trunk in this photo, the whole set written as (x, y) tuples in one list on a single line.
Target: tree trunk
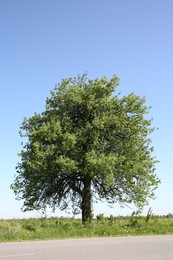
[(86, 201)]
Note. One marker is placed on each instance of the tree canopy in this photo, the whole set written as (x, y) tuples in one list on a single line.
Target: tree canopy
[(89, 143)]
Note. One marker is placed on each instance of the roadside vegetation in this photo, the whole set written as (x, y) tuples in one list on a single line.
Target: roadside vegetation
[(64, 228)]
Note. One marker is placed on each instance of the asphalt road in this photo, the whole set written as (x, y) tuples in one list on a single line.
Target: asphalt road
[(129, 248)]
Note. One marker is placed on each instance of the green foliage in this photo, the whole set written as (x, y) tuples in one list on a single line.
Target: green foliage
[(88, 141), (63, 228), (32, 225), (149, 215), (100, 218)]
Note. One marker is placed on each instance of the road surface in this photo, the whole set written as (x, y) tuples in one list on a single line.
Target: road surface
[(119, 248)]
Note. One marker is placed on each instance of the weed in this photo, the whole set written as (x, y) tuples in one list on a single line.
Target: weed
[(62, 228)]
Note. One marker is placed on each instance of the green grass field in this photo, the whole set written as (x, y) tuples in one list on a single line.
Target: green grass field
[(63, 228)]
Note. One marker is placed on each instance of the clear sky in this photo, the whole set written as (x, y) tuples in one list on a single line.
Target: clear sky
[(44, 41)]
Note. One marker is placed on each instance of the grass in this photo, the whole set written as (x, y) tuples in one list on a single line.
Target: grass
[(63, 228)]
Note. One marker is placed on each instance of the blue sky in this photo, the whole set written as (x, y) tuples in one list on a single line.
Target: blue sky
[(45, 41)]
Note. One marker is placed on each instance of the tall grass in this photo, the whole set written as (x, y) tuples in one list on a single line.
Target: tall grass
[(63, 228)]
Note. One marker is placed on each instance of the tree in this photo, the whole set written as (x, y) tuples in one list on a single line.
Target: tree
[(88, 143)]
